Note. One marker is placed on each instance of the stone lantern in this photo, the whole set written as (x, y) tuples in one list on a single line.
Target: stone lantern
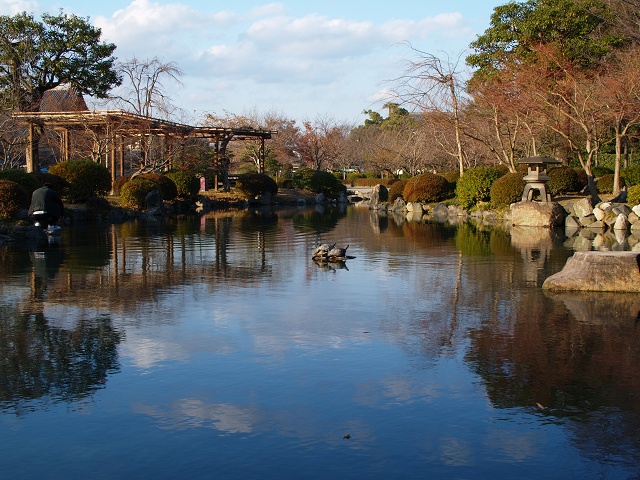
[(536, 178)]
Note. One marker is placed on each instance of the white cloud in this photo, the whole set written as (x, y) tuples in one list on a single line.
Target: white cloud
[(12, 7), (269, 9), (159, 29), (266, 57)]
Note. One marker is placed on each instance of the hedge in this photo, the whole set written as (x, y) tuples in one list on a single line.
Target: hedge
[(507, 190), (475, 185), (86, 179)]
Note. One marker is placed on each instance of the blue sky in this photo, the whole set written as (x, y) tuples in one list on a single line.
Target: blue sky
[(301, 59)]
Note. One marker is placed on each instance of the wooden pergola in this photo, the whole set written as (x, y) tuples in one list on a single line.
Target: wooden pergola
[(116, 125)]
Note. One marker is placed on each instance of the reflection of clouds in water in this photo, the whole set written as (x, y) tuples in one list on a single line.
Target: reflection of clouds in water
[(396, 390), (455, 452), (189, 413), (407, 390), (146, 352), (512, 446)]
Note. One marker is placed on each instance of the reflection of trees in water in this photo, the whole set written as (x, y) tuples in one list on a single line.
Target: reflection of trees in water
[(91, 247), (262, 220), (38, 362), (584, 372), (427, 234), (472, 240), (317, 221)]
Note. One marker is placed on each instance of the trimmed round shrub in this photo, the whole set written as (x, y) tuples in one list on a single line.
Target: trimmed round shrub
[(392, 180), (633, 195), (133, 193), (13, 197), (507, 190), (166, 185), (396, 189), (605, 183), (426, 188), (562, 179), (251, 185), (452, 176), (119, 183), (58, 183), (27, 180), (631, 175), (87, 179), (187, 184), (475, 185), (317, 181), (98, 206), (284, 183)]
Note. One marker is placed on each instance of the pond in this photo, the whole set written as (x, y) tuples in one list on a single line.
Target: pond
[(215, 347)]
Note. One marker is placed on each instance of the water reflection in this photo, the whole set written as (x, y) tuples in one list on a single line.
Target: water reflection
[(569, 356), (435, 334)]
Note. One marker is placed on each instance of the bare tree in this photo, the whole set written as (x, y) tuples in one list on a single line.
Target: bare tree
[(569, 96), (11, 143), (620, 93), (321, 142), (499, 118), (280, 147), (430, 84), (143, 90)]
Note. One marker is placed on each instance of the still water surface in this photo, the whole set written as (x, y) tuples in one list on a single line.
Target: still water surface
[(215, 347)]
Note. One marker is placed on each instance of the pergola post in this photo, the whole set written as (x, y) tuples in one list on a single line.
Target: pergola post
[(121, 154), (111, 148), (64, 144), (31, 153), (217, 160)]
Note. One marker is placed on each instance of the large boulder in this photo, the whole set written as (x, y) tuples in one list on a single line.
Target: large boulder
[(583, 207), (153, 202), (399, 204), (440, 211), (598, 272), (379, 194), (537, 214)]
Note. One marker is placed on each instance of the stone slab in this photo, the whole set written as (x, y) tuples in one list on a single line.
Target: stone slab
[(537, 214), (598, 272)]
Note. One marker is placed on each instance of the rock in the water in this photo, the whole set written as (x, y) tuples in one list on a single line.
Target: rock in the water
[(621, 223), (598, 272), (584, 207), (537, 214), (571, 222), (379, 194), (440, 210), (153, 201), (399, 204)]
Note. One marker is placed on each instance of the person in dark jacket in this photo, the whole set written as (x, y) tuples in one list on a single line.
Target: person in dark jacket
[(46, 206)]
